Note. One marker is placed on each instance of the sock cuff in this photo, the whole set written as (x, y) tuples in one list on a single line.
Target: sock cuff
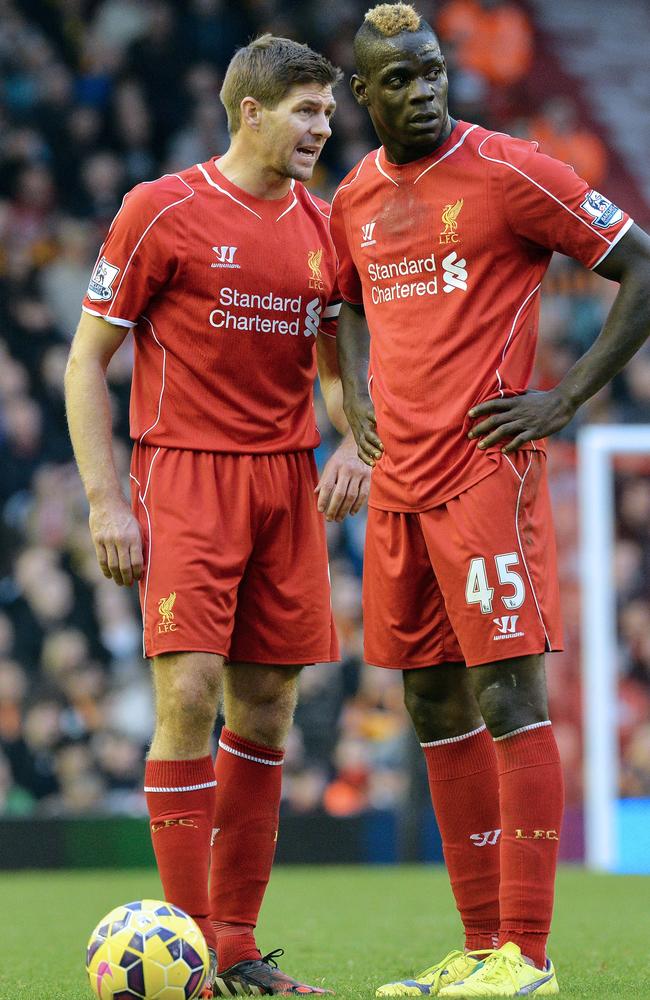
[(179, 775), (527, 747), (461, 756), (247, 750)]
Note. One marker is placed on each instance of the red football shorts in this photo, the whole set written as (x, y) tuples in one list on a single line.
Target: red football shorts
[(474, 579), (235, 556)]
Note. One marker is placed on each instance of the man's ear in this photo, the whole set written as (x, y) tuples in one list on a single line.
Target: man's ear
[(358, 87), (250, 111)]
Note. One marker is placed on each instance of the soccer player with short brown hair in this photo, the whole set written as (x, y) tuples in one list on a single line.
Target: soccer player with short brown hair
[(226, 274), (444, 234)]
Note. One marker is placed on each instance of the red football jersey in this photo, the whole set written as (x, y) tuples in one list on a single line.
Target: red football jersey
[(225, 294), (447, 255)]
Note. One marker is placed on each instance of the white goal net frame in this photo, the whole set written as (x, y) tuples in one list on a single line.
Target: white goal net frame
[(598, 446)]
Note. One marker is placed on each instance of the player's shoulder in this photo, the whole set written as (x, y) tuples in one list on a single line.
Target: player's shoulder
[(311, 203), (152, 197), (355, 179), (500, 146)]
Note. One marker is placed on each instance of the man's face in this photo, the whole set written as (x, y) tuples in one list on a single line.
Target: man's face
[(293, 133), (406, 94)]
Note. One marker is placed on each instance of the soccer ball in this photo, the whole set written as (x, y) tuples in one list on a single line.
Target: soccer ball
[(147, 950)]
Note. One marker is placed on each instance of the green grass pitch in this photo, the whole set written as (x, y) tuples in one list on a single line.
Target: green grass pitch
[(350, 928)]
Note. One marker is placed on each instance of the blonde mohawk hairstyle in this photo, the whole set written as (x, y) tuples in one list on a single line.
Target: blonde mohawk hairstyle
[(391, 19)]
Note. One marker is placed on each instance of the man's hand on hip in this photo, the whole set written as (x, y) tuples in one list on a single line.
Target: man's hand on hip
[(528, 417), (345, 483), (117, 540)]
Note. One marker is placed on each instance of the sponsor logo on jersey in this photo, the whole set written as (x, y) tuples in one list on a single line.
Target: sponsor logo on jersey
[(450, 222), (536, 835), (603, 212), (314, 258), (507, 626), (312, 319), (367, 234), (487, 839), (165, 605), (100, 288), (455, 274), (225, 257)]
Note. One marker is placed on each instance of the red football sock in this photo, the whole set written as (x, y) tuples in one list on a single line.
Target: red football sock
[(464, 788), (532, 799), (180, 798), (249, 780)]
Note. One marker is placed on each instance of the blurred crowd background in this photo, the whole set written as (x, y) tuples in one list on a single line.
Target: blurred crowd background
[(98, 95)]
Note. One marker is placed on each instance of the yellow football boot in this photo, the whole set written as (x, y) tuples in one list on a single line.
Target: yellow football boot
[(505, 973), (455, 965)]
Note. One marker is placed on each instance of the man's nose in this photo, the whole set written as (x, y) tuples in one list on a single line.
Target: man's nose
[(422, 90), (321, 126)]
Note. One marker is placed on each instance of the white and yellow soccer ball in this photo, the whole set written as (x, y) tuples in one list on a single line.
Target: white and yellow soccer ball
[(147, 950)]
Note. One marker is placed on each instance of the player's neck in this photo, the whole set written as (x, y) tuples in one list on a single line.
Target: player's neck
[(244, 170)]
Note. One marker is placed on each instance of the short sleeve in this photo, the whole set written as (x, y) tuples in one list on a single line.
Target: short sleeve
[(348, 277), (547, 203), (138, 256), (330, 319)]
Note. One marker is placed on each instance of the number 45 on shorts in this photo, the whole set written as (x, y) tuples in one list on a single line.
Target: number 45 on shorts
[(479, 591)]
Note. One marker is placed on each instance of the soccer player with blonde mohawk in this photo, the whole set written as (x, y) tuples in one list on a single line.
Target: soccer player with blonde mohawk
[(444, 234)]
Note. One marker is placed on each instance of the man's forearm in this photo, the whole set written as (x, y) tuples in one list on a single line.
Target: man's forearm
[(90, 424), (626, 329), (353, 345)]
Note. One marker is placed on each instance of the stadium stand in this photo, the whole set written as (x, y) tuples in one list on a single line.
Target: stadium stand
[(97, 96)]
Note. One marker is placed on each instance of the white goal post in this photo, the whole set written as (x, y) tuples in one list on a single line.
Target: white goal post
[(597, 447)]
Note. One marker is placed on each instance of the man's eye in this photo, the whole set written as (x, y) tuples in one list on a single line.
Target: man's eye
[(433, 74)]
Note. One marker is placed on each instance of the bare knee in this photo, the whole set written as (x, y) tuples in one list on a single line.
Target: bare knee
[(260, 701), (440, 702), (511, 694), (187, 688)]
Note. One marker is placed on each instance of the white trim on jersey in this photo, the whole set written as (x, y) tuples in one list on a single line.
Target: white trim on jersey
[(521, 548), (344, 186), (227, 193), (494, 159), (325, 215), (150, 549), (292, 205), (512, 330), (152, 223), (619, 235), (113, 320), (382, 171), (162, 387), (448, 153)]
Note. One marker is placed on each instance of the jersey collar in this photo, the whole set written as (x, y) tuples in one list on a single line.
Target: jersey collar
[(266, 209), (410, 173)]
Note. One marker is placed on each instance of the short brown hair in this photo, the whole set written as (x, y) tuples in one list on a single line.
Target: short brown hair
[(266, 69)]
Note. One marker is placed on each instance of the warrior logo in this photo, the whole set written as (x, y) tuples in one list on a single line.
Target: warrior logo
[(367, 232), (225, 257), (314, 258), (312, 319), (449, 220), (165, 605), (487, 839)]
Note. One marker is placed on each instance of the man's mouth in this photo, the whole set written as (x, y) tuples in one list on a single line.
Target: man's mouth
[(424, 118), (308, 152)]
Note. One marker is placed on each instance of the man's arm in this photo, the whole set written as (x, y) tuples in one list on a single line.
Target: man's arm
[(345, 482), (536, 414), (114, 529), (353, 345)]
